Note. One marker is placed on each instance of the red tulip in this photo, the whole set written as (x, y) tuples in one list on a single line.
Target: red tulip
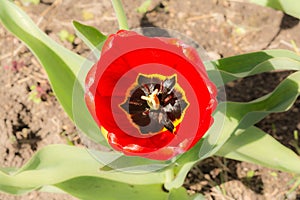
[(150, 96)]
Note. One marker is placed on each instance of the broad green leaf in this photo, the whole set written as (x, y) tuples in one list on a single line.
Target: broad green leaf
[(91, 36), (61, 65), (59, 163), (181, 194), (290, 7), (244, 65), (244, 115), (94, 40), (94, 188), (77, 173), (87, 188), (255, 146)]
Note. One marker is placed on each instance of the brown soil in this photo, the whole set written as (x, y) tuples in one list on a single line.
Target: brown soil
[(222, 27)]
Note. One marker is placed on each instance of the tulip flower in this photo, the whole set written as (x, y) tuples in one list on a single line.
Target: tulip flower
[(150, 96)]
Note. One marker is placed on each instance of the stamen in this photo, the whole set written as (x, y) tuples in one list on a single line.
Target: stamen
[(152, 100)]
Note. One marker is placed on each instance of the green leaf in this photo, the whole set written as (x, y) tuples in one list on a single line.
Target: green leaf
[(91, 36), (181, 194), (94, 39), (76, 172), (59, 163), (255, 146), (244, 65), (290, 7), (244, 115), (61, 65), (87, 188)]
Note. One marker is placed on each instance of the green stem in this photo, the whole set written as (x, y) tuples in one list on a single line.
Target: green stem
[(117, 4), (169, 173)]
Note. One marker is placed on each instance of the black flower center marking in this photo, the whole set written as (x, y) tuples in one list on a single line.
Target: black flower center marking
[(155, 102)]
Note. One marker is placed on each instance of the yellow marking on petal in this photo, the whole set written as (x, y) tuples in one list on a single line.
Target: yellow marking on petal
[(104, 132)]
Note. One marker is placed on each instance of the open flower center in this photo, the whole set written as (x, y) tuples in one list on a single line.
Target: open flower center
[(155, 103)]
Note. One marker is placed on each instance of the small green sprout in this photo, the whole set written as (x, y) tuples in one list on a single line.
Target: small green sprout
[(64, 35), (34, 94), (38, 93), (274, 174), (295, 183), (143, 8), (27, 2), (250, 174), (295, 141), (87, 15)]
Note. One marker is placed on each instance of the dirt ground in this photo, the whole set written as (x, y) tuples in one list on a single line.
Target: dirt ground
[(31, 117)]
